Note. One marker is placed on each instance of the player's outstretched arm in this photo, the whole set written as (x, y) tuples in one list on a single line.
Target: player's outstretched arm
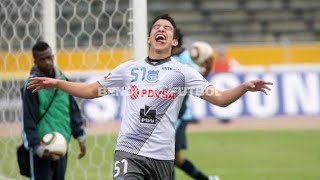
[(82, 90), (227, 97)]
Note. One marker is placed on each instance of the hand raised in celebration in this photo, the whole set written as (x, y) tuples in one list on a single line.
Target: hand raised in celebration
[(258, 85), (39, 83)]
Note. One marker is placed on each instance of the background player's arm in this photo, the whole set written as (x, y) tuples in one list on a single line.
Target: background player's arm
[(227, 97), (82, 90)]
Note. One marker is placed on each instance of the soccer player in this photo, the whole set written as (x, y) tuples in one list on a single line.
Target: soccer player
[(48, 111), (182, 55), (156, 87)]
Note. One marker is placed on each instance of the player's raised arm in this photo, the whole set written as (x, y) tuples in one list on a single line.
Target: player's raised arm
[(82, 90), (227, 97)]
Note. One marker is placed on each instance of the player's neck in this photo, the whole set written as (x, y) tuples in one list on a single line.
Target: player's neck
[(155, 60), (153, 54)]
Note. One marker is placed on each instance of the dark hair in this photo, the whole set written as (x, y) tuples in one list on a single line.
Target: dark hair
[(40, 46), (179, 37), (166, 17)]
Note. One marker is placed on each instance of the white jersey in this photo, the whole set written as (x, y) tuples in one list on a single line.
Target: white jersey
[(155, 91)]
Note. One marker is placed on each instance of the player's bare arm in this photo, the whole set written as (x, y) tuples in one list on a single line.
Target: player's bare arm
[(227, 97), (82, 90)]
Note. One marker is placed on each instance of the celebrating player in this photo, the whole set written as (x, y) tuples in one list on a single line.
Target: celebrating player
[(157, 86)]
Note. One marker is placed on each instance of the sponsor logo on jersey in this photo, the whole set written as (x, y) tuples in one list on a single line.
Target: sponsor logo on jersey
[(167, 68), (148, 115), (134, 93), (153, 76)]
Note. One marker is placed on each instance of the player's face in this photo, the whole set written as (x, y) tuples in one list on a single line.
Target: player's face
[(161, 36), (44, 61)]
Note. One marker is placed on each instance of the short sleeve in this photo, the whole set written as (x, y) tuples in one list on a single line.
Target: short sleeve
[(116, 78), (195, 82)]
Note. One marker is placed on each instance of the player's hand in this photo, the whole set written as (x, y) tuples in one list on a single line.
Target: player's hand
[(47, 155), (258, 85), (44, 153), (39, 83), (83, 149)]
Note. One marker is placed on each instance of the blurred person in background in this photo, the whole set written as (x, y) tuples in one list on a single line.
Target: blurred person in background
[(47, 111), (223, 63), (185, 117)]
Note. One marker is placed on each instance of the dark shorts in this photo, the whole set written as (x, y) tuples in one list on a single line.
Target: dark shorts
[(181, 138), (134, 167)]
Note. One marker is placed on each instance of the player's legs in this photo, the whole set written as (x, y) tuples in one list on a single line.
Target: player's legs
[(188, 167), (60, 167), (42, 168), (181, 141), (182, 163)]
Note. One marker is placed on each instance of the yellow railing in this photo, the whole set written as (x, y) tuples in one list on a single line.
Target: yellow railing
[(275, 54), (77, 60), (67, 60)]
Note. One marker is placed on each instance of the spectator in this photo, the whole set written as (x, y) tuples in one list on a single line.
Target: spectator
[(48, 111), (224, 63)]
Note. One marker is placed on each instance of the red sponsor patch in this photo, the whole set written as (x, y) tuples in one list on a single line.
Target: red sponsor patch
[(134, 92), (164, 94)]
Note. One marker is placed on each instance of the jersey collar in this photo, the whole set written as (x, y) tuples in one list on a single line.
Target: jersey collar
[(155, 62)]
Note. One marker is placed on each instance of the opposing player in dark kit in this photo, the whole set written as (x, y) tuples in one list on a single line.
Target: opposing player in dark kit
[(185, 117)]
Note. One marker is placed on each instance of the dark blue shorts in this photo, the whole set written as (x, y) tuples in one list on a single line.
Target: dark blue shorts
[(181, 138)]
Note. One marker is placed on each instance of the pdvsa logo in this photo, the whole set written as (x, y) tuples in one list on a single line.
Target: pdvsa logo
[(134, 93)]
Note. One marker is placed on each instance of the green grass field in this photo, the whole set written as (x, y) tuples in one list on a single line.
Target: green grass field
[(233, 155), (257, 155)]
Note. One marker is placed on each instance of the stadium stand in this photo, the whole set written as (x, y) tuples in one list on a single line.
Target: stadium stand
[(232, 21), (243, 21)]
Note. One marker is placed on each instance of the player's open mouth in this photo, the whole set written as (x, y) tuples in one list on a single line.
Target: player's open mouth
[(160, 38)]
